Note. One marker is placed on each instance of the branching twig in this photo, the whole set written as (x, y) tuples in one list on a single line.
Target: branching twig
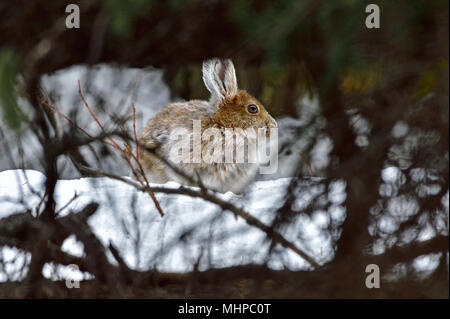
[(75, 196), (95, 117), (127, 154), (54, 109)]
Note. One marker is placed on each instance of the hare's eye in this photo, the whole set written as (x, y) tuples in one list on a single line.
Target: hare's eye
[(252, 108)]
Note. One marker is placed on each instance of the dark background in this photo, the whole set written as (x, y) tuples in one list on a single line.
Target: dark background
[(394, 78)]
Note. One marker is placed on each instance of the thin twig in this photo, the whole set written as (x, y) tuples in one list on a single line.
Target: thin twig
[(134, 131), (65, 117), (311, 171), (75, 196), (94, 116)]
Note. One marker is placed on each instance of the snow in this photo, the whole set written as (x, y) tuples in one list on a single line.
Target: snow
[(190, 228)]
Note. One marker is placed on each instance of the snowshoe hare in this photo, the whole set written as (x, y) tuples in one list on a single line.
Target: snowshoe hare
[(228, 110)]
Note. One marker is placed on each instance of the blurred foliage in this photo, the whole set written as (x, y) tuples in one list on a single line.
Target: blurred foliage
[(9, 72), (290, 48), (123, 14), (287, 47), (428, 81), (359, 80)]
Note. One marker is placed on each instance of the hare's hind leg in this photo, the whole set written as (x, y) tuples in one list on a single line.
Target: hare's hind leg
[(154, 169)]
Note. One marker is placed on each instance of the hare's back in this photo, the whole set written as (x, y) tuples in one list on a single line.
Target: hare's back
[(174, 116)]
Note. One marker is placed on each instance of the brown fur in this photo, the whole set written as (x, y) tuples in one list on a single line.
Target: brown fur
[(233, 112)]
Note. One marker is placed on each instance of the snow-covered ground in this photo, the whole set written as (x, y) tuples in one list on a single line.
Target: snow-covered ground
[(190, 227)]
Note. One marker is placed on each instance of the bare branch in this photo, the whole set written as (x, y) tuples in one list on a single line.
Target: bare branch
[(211, 197)]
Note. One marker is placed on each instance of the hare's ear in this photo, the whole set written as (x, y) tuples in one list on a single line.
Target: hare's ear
[(220, 78)]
